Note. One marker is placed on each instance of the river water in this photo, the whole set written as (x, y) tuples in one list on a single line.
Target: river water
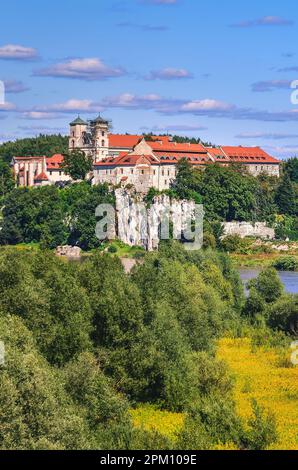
[(288, 278)]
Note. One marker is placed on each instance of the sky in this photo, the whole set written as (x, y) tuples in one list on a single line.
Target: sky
[(218, 70)]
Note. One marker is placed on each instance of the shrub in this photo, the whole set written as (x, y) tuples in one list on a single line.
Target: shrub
[(231, 243), (286, 263), (112, 249), (283, 314), (209, 241), (262, 429), (268, 285)]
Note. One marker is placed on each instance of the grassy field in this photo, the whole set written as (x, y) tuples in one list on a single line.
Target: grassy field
[(151, 418), (270, 379), (262, 374), (257, 260)]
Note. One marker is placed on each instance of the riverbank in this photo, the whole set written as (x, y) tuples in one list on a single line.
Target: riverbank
[(258, 260), (252, 260)]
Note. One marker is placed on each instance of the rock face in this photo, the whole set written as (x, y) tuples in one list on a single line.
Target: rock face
[(144, 226), (248, 229), (68, 251)]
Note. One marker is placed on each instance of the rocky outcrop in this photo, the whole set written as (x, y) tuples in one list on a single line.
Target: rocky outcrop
[(248, 229), (68, 251), (141, 225)]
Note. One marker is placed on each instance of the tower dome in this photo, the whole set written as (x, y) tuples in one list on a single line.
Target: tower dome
[(78, 121)]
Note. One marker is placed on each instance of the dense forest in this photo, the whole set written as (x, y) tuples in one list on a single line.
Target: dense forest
[(86, 343), (46, 145)]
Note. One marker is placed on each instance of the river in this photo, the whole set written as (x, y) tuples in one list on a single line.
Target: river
[(288, 278)]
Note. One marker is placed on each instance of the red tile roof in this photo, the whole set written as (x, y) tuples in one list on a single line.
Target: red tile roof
[(127, 160), (248, 155), (54, 162), (123, 140), (41, 177), (130, 141), (164, 159), (217, 153), (175, 147)]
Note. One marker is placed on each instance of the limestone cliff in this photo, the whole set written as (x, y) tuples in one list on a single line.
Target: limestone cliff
[(141, 225)]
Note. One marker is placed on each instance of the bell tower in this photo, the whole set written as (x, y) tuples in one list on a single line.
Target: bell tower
[(100, 137), (78, 128)]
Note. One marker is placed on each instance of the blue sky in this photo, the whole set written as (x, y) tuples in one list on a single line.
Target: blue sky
[(219, 70)]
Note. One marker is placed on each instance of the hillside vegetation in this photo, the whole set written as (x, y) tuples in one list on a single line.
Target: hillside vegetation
[(91, 351)]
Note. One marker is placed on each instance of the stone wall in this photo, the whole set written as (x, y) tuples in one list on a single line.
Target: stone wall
[(248, 229)]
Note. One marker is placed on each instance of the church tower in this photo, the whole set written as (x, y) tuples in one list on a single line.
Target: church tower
[(100, 137), (78, 129)]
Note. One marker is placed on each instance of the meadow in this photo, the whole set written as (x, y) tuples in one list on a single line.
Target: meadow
[(262, 374)]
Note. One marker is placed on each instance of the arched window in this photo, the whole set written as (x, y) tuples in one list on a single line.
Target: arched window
[(73, 143), (102, 143)]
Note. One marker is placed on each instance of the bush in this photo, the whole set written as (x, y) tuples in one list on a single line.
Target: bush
[(231, 243), (286, 263), (112, 249), (209, 241), (283, 314), (268, 285), (262, 430)]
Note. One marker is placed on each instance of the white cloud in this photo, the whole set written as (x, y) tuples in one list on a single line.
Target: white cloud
[(17, 52), (36, 115), (15, 86), (206, 105), (169, 74), (270, 85), (264, 21), (7, 106), (83, 69), (266, 135), (55, 110), (175, 127)]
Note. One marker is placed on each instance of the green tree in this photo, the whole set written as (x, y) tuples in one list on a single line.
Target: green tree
[(33, 215), (46, 145), (286, 196), (44, 292), (267, 285), (186, 180), (6, 178), (77, 164), (81, 213), (35, 410), (283, 314), (291, 169)]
